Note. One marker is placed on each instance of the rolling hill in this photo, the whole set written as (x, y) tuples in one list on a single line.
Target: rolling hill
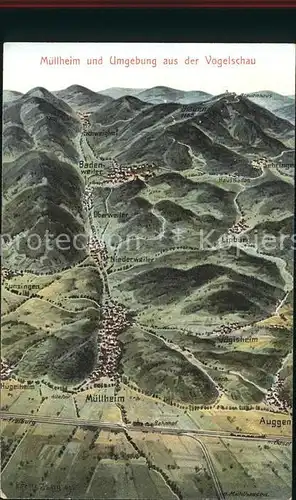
[(82, 99), (286, 112), (43, 196), (117, 92), (49, 122), (162, 258), (46, 337), (124, 109), (270, 100), (157, 95), (9, 96), (219, 136)]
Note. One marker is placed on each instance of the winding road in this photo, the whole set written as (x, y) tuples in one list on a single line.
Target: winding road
[(188, 356), (218, 487)]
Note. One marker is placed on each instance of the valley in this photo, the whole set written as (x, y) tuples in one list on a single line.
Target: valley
[(153, 295)]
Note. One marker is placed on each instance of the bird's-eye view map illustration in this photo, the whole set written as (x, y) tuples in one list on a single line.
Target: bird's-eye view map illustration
[(147, 271)]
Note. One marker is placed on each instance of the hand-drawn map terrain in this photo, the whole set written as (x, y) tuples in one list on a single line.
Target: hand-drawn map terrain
[(147, 294)]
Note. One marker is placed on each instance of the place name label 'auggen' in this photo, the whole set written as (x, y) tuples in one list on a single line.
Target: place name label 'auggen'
[(274, 422)]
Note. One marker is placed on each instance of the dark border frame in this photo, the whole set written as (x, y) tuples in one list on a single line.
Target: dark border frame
[(139, 4), (213, 24), (149, 25)]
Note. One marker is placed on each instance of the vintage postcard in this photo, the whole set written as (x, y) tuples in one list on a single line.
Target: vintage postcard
[(147, 271)]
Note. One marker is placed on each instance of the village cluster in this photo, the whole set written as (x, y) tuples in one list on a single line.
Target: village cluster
[(226, 329), (114, 321), (6, 370), (6, 273), (121, 173), (84, 118), (87, 199), (239, 227), (98, 250), (261, 163), (273, 399)]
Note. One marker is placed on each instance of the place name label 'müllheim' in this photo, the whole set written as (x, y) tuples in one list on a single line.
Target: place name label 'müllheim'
[(104, 399)]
